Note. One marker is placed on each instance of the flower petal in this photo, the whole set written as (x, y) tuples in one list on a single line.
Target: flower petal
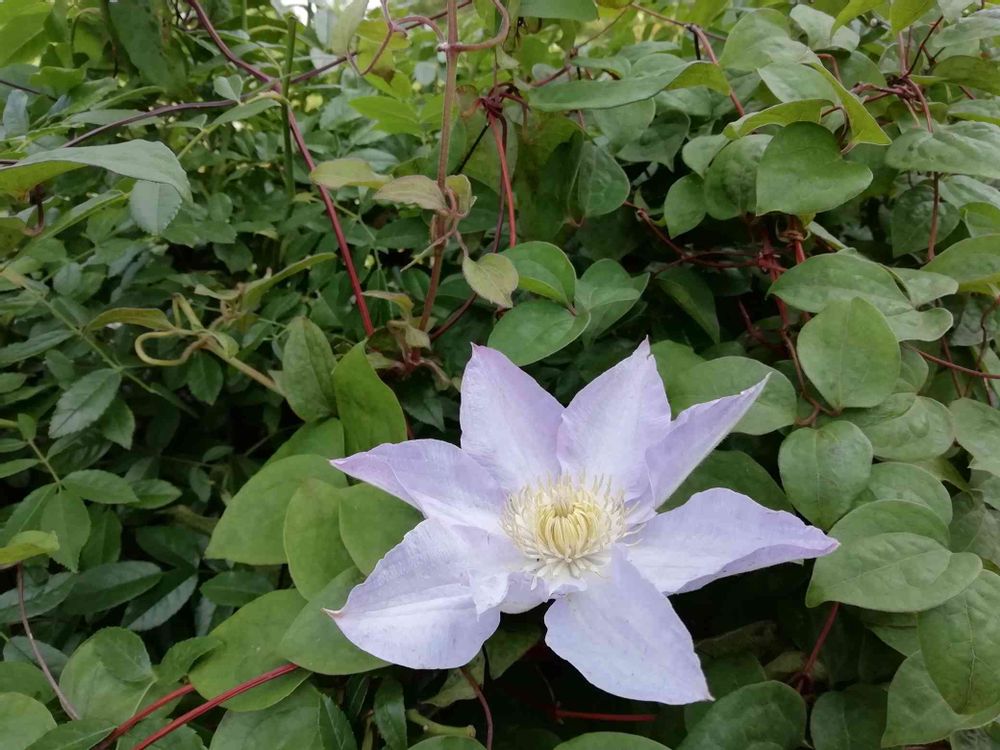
[(436, 478), (509, 423), (625, 638), (692, 436), (418, 607), (611, 423), (719, 533)]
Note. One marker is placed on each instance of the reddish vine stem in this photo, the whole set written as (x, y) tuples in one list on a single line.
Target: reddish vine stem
[(67, 706), (25, 89), (331, 212), (498, 136), (952, 366), (126, 726), (293, 124), (702, 37), (807, 668), (164, 110), (923, 46), (561, 713), (481, 697), (208, 705)]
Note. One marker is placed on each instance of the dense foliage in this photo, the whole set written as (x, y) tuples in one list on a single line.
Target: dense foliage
[(236, 243)]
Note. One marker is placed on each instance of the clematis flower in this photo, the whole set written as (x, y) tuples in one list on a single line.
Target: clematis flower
[(547, 503)]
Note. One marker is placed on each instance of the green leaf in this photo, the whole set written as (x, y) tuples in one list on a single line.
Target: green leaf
[(307, 371), (601, 184), (973, 262), (110, 585), (27, 544), (906, 427), (250, 530), (898, 481), (143, 160), (508, 644), (761, 37), (390, 714), (690, 291), (234, 588), (864, 126), (346, 172), (324, 438), (38, 599), (181, 656), (824, 469), (918, 714), (960, 642), (249, 648), (727, 376), (971, 148), (22, 350), (368, 408), (889, 516), (414, 190), (663, 72), (123, 654), (25, 678), (344, 22), (852, 719), (141, 29), (84, 402), (74, 735), (493, 277), (151, 318), (736, 471), (313, 640), (684, 207), (765, 715), (802, 172), (605, 740), (822, 279), (66, 516), (892, 572), (850, 354), (977, 429), (607, 292), (93, 689), (785, 113), (372, 522), (543, 269), (316, 554), (575, 10), (535, 329), (902, 13), (731, 180), (296, 723), (22, 720), (100, 487), (153, 205)]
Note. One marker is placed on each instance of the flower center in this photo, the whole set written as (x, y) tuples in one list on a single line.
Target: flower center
[(567, 525)]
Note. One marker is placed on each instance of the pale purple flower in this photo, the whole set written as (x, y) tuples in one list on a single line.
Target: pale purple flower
[(543, 502)]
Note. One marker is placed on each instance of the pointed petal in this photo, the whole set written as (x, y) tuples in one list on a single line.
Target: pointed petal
[(719, 533), (613, 421), (509, 422), (626, 639), (692, 436), (418, 608), (436, 478)]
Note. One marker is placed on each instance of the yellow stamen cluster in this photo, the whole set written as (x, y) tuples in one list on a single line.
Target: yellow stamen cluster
[(566, 525)]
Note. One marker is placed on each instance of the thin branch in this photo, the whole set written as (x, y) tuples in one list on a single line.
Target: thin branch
[(207, 706), (481, 697), (499, 131), (126, 726), (206, 23), (807, 668), (923, 46), (67, 706), (952, 365), (25, 89), (935, 212)]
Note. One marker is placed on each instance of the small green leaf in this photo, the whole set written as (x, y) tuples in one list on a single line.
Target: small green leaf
[(684, 207), (824, 469), (154, 205), (372, 522), (100, 486), (543, 269), (535, 329), (601, 184), (973, 262), (413, 190), (307, 371), (390, 714), (493, 277), (316, 553), (22, 720), (349, 171), (249, 648), (850, 354), (692, 293), (802, 172), (765, 714), (370, 413), (28, 544), (84, 402)]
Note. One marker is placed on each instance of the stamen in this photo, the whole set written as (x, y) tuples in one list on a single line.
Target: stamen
[(567, 525)]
